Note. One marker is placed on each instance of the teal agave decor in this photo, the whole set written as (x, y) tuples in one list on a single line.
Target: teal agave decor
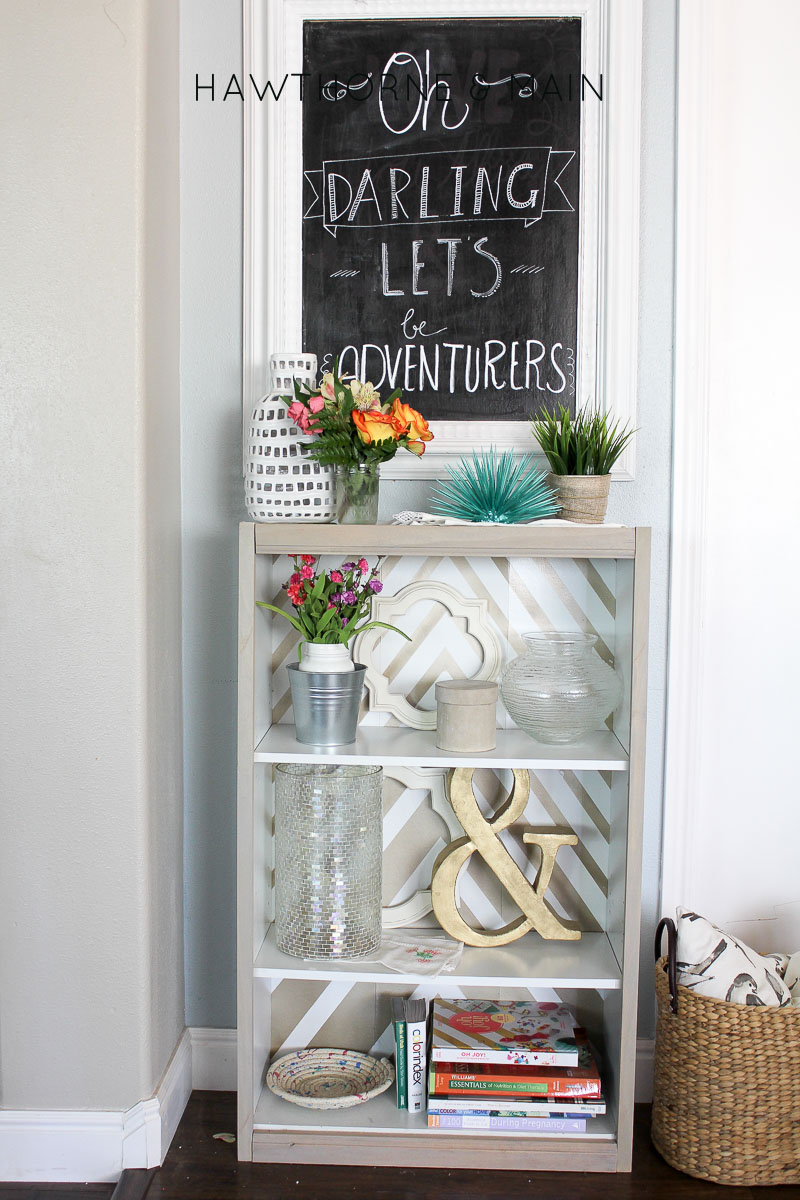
[(496, 488)]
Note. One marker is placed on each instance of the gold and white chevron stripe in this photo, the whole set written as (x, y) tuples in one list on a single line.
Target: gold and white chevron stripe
[(317, 1013), (521, 595)]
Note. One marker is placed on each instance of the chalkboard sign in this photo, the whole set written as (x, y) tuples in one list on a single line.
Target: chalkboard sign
[(441, 163)]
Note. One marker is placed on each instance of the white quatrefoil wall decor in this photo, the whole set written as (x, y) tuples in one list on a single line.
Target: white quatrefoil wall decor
[(425, 780), (438, 643)]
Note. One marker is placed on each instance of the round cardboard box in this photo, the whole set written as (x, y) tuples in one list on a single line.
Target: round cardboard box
[(465, 715)]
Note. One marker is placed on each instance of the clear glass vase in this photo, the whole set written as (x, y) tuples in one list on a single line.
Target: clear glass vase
[(328, 859), (357, 494), (558, 689)]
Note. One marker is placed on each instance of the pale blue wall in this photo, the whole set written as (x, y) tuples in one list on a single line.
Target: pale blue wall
[(211, 234)]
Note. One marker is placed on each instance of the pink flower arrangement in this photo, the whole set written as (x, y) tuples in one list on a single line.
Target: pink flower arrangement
[(331, 606), (351, 426)]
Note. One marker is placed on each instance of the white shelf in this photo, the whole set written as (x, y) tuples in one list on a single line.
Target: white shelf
[(382, 1115), (529, 962), (390, 745)]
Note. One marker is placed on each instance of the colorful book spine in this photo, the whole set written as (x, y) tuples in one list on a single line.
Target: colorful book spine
[(443, 1082), (416, 1038), (552, 1125), (517, 1108), (568, 1057), (399, 1019)]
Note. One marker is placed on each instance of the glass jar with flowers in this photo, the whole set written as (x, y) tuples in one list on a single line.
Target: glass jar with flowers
[(328, 609), (354, 433)]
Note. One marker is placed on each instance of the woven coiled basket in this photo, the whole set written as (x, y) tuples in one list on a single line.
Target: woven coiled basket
[(726, 1086)]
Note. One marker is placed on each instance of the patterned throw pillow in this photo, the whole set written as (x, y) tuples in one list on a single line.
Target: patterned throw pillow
[(716, 964), (792, 978)]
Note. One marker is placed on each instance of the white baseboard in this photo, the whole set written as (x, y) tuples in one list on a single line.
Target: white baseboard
[(213, 1060), (94, 1147), (172, 1096), (643, 1090), (61, 1147)]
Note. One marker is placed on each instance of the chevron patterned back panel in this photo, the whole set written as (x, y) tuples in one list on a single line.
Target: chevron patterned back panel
[(321, 1013), (521, 595)]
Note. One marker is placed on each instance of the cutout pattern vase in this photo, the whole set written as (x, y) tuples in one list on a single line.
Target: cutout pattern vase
[(281, 482)]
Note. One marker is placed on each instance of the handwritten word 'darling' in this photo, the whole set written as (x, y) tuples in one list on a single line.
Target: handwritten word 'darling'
[(465, 185)]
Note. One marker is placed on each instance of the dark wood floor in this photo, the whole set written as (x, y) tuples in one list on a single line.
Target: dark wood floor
[(199, 1167)]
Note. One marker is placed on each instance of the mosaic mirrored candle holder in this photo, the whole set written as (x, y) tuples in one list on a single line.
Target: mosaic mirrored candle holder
[(328, 859)]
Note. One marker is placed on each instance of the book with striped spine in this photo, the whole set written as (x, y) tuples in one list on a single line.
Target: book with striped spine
[(519, 1107), (488, 1081), (546, 1125)]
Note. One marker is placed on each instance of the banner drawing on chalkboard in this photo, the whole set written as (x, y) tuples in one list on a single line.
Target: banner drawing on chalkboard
[(441, 183)]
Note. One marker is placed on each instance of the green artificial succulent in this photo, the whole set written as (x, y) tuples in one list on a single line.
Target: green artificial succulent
[(495, 487), (586, 444)]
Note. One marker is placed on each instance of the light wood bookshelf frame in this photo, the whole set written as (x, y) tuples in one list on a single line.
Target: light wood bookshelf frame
[(269, 1130)]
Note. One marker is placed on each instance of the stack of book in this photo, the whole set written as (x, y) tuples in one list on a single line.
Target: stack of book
[(520, 1066)]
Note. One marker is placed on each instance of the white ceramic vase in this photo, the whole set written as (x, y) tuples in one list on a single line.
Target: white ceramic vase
[(281, 482), (331, 659)]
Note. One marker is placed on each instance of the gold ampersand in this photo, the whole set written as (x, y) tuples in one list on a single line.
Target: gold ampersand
[(481, 836)]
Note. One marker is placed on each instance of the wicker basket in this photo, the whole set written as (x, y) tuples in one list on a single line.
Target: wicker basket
[(726, 1088)]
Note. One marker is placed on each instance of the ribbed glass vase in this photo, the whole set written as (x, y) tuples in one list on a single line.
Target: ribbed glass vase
[(328, 859), (558, 689)]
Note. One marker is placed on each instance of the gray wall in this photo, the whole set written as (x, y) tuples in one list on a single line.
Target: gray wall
[(212, 491), (91, 996)]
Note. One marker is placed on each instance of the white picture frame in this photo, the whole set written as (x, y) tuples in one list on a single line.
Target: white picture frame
[(609, 206)]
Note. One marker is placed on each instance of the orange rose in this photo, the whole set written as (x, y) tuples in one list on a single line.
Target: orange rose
[(415, 426), (376, 426)]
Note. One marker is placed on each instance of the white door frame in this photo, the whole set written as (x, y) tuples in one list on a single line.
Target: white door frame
[(685, 682)]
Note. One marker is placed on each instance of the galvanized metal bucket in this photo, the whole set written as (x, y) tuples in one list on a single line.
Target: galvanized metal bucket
[(326, 704)]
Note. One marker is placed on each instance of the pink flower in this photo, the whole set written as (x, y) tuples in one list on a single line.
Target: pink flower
[(296, 594), (299, 414), (326, 387), (336, 577), (302, 416), (308, 558), (316, 404), (375, 585), (363, 565), (306, 571), (295, 578)]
